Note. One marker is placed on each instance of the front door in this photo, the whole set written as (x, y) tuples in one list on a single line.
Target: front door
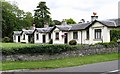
[(44, 39), (18, 38), (66, 38)]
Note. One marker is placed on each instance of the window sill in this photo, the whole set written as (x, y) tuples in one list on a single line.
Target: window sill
[(97, 39), (75, 39), (56, 39)]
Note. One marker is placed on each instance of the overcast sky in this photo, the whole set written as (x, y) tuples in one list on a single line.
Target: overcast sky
[(76, 9)]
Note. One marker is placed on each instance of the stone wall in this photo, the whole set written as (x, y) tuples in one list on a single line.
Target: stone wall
[(83, 52)]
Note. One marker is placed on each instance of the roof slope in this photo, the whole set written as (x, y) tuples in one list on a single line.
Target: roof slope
[(28, 31), (64, 27), (82, 26), (17, 32), (44, 30)]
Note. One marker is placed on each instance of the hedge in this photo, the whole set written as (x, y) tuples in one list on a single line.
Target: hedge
[(37, 49), (51, 49), (115, 34)]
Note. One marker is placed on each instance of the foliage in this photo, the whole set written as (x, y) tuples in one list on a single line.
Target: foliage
[(35, 48), (13, 48), (115, 35), (59, 63), (70, 21), (108, 44), (14, 19), (42, 15), (72, 42), (6, 39), (56, 22)]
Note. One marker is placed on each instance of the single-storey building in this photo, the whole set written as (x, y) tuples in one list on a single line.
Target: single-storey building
[(42, 35), (84, 33)]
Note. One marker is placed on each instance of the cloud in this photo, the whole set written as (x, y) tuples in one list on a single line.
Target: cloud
[(76, 9)]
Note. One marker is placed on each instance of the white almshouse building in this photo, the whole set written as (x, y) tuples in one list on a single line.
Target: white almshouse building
[(84, 33)]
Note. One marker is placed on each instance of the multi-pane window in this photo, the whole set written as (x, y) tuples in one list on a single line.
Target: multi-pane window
[(37, 36), (57, 36), (87, 34), (75, 35), (24, 37), (98, 33)]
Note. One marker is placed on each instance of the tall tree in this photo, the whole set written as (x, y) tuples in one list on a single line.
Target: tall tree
[(70, 21), (42, 15), (14, 19)]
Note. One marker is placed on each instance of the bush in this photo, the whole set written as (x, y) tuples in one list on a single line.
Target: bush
[(73, 42), (115, 35), (6, 39), (37, 49), (109, 44)]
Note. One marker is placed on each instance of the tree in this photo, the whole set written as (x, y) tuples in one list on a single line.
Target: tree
[(27, 20), (56, 22), (14, 19), (9, 20), (42, 15), (70, 21)]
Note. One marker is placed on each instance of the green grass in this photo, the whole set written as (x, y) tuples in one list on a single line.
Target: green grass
[(9, 45), (58, 63)]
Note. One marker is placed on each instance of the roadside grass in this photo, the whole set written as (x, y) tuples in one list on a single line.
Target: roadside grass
[(59, 63)]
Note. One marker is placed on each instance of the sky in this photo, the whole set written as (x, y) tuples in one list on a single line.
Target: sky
[(75, 9)]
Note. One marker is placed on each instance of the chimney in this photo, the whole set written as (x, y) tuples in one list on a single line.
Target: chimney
[(82, 21), (46, 25), (33, 26), (94, 17), (64, 22)]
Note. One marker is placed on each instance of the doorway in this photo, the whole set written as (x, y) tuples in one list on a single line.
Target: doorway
[(44, 39), (29, 38), (18, 38), (66, 38)]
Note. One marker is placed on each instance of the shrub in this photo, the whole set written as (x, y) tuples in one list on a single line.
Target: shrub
[(115, 35), (108, 44), (37, 49), (6, 39), (73, 42)]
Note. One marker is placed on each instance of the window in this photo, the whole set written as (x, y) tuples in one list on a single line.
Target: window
[(49, 35), (98, 33), (57, 36), (23, 37), (37, 36), (87, 34), (75, 35)]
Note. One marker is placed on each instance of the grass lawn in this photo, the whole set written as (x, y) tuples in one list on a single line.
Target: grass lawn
[(9, 45), (58, 63)]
